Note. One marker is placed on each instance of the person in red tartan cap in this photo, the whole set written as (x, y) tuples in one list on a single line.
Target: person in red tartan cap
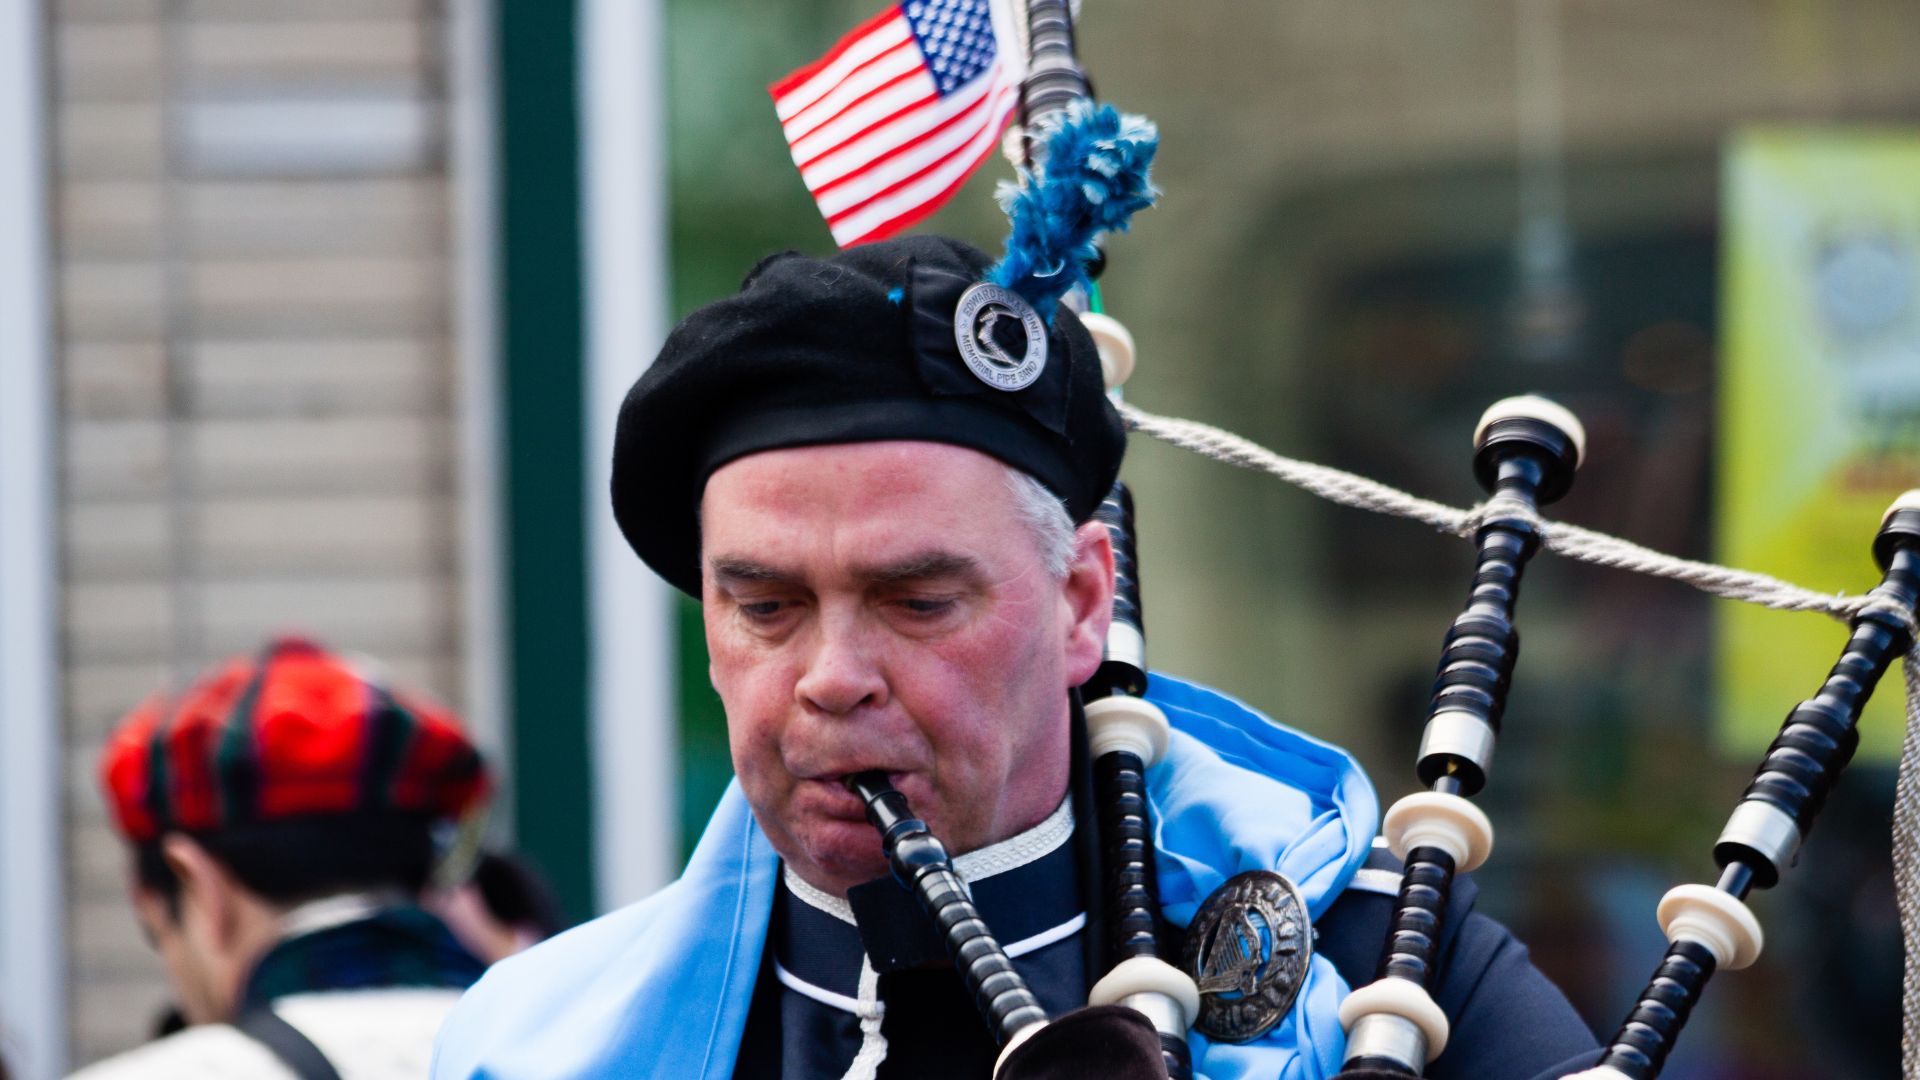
[(283, 817)]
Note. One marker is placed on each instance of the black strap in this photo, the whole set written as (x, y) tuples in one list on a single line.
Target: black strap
[(288, 1043)]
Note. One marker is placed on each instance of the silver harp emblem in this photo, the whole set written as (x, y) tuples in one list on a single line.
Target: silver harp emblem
[(1248, 948)]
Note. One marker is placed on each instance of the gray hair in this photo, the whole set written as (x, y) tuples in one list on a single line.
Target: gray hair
[(1046, 520)]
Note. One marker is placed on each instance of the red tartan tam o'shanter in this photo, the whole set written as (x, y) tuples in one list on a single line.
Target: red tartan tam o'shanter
[(295, 732)]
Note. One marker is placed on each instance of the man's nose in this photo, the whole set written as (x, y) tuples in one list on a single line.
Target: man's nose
[(843, 673)]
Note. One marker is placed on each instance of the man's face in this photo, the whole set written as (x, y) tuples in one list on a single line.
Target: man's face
[(194, 986), (211, 936), (880, 606)]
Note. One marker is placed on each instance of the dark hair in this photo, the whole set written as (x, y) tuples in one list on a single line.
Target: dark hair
[(298, 859), (516, 894)]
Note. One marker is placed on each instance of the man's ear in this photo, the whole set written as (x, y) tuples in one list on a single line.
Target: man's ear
[(151, 910), (209, 893), (1088, 592)]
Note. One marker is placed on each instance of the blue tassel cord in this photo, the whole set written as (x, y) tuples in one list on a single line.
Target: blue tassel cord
[(1094, 180)]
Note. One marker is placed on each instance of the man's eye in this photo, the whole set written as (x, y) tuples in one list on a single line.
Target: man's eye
[(927, 608), (760, 609)]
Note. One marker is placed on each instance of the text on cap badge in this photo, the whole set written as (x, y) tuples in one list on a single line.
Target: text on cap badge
[(979, 332)]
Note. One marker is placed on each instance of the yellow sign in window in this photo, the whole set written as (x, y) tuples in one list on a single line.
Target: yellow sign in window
[(1819, 400)]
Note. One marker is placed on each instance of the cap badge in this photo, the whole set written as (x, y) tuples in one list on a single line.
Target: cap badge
[(984, 322), (1247, 949)]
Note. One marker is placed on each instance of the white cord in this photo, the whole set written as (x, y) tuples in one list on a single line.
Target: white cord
[(1586, 545), (873, 1044)]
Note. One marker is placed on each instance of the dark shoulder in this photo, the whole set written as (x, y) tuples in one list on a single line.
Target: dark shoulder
[(1509, 1021)]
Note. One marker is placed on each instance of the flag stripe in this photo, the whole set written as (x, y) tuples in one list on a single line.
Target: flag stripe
[(904, 162), (911, 185), (869, 39), (884, 71), (916, 92), (882, 140), (890, 213), (913, 214)]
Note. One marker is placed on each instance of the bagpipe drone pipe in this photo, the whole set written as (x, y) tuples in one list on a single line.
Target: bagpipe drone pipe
[(1526, 451), (1711, 927), (1126, 733), (1050, 254)]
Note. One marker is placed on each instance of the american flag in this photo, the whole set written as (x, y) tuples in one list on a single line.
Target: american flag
[(895, 117)]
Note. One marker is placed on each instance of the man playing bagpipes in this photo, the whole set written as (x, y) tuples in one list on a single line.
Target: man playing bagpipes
[(889, 478), (877, 474)]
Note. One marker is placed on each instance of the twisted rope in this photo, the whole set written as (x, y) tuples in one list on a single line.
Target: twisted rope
[(1906, 868), (1600, 549), (1586, 545)]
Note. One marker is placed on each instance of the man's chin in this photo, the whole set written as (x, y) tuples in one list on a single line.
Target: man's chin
[(837, 855)]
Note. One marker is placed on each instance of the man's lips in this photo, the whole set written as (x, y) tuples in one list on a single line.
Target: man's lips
[(829, 793)]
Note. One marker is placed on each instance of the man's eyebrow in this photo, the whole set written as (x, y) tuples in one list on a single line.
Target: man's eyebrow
[(931, 564), (743, 571), (740, 570)]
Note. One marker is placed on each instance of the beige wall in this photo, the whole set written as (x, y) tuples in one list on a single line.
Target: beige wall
[(252, 243)]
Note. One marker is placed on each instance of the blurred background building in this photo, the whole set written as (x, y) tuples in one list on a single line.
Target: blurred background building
[(317, 315)]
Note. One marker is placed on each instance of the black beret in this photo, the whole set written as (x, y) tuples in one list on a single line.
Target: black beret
[(856, 347)]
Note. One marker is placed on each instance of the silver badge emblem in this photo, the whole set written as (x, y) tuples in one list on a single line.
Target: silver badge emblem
[(981, 310), (1248, 948)]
